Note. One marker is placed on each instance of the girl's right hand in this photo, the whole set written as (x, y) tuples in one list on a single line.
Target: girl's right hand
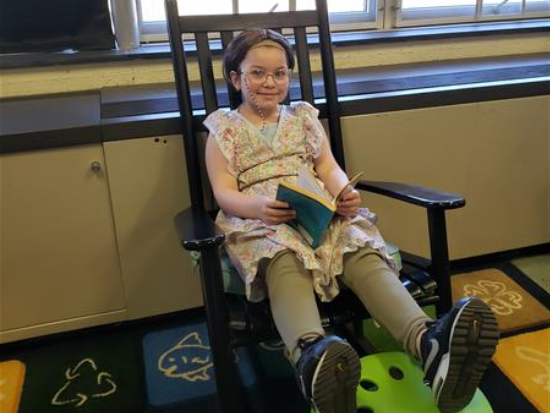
[(274, 212)]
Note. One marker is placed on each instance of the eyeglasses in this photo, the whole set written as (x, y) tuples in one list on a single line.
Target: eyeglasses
[(260, 76)]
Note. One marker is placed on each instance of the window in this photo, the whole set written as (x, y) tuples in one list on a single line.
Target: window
[(345, 14), (353, 14), (430, 12)]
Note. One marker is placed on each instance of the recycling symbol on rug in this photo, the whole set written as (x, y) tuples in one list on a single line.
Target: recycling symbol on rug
[(84, 382)]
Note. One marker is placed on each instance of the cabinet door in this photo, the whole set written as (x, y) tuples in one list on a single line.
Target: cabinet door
[(59, 257), (148, 188)]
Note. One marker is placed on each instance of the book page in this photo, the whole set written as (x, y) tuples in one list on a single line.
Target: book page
[(307, 181), (352, 182)]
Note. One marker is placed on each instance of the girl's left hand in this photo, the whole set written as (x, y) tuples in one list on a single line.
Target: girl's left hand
[(349, 203)]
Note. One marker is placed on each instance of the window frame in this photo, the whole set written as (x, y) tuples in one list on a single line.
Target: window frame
[(457, 15), (151, 32), (386, 15)]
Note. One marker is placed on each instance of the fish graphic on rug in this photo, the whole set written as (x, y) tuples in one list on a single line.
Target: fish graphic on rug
[(189, 360)]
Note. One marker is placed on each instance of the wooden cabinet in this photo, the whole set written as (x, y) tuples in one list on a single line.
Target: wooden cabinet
[(59, 265), (87, 236), (148, 187)]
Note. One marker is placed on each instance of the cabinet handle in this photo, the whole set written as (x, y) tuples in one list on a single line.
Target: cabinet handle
[(96, 166)]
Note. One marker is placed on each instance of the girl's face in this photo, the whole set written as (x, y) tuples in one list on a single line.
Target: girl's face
[(263, 78)]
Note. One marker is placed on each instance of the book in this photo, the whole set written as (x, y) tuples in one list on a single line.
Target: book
[(314, 209)]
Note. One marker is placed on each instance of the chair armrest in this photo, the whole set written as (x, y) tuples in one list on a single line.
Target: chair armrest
[(427, 198), (197, 230)]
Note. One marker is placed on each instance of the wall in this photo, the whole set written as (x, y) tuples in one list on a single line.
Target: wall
[(72, 78), (496, 154)]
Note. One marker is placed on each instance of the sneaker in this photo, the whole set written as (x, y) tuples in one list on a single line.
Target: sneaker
[(456, 350), (328, 373)]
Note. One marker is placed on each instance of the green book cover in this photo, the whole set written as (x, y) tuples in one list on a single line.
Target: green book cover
[(312, 216), (314, 209)]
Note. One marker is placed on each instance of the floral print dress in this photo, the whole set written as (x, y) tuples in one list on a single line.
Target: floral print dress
[(258, 168)]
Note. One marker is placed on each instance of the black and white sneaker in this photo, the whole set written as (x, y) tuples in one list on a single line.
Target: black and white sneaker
[(328, 373), (456, 350)]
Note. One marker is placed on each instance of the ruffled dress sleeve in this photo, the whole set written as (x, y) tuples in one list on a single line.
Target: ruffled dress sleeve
[(221, 127), (314, 132)]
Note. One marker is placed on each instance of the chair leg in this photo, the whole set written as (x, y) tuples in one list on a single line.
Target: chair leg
[(227, 382), (440, 259), (355, 334)]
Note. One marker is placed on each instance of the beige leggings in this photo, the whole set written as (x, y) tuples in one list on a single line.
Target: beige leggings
[(294, 308)]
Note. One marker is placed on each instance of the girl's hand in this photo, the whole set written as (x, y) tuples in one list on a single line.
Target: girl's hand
[(349, 203), (274, 212)]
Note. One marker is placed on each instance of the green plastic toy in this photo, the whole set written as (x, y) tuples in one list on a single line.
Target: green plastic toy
[(392, 383)]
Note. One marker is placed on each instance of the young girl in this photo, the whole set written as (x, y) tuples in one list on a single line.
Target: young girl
[(249, 152)]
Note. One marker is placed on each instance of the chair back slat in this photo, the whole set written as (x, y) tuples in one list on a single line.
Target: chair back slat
[(184, 103), (207, 74), (302, 55), (226, 38)]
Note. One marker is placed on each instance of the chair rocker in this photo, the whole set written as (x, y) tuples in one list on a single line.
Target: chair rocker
[(231, 319)]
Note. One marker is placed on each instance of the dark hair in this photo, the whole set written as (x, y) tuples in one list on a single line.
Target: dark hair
[(236, 52)]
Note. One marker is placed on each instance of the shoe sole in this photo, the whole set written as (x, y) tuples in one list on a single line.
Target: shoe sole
[(336, 379), (474, 337)]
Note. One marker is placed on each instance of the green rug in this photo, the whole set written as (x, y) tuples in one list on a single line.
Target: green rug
[(536, 268)]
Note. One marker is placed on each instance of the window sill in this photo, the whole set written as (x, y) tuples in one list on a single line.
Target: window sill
[(120, 113), (124, 101), (162, 51)]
